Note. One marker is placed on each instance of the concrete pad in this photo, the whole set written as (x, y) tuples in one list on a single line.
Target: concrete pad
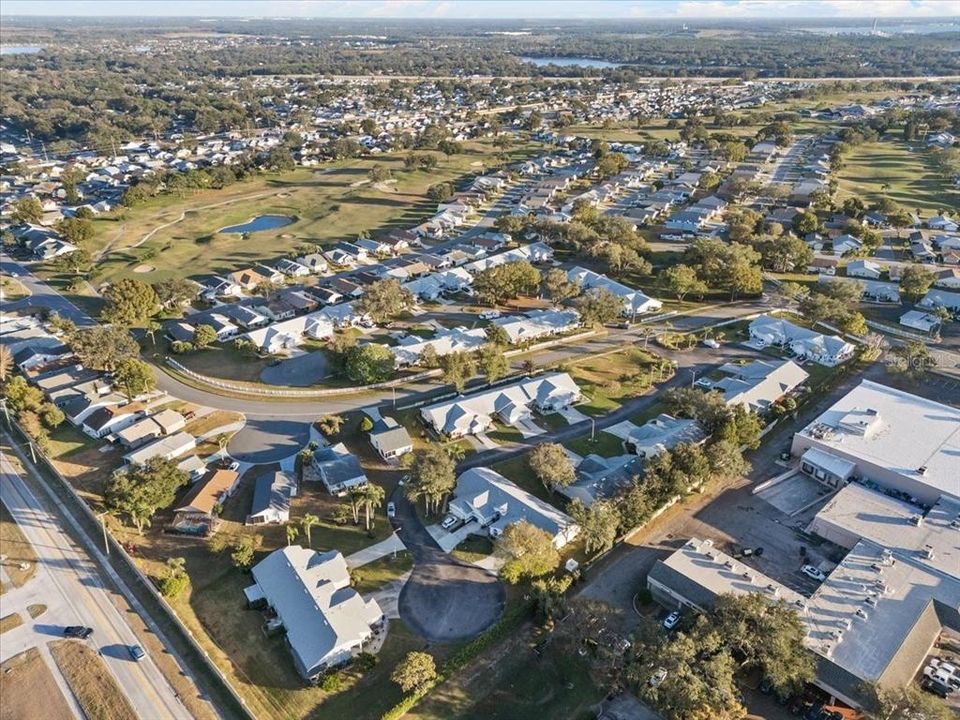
[(388, 596), (449, 540), (793, 494), (383, 548), (621, 430), (528, 428), (486, 442), (572, 415)]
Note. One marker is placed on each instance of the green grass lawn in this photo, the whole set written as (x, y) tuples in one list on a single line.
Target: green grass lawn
[(474, 548), (505, 434), (606, 445), (375, 575), (910, 176), (518, 471), (607, 380), (67, 439)]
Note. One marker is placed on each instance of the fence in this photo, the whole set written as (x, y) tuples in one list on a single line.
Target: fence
[(136, 586)]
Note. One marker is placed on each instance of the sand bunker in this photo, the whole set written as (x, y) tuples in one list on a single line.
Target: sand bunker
[(144, 268)]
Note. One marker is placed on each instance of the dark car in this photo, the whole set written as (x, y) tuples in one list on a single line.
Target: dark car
[(136, 652), (77, 631), (935, 687)]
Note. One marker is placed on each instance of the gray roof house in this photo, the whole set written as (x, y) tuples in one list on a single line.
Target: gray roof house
[(828, 350), (663, 433), (326, 621), (271, 498), (759, 384), (339, 470), (493, 502), (390, 439)]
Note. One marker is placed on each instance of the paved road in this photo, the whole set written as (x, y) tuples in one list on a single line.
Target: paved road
[(42, 295), (445, 599), (75, 594)]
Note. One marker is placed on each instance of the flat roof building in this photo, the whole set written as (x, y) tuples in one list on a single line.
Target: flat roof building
[(900, 442)]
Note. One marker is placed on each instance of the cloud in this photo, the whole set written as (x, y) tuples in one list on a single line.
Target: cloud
[(867, 9)]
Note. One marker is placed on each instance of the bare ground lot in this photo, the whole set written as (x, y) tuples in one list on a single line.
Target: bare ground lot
[(91, 683), (24, 680), (16, 550)]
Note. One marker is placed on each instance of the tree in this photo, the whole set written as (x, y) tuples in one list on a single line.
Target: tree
[(129, 302), (558, 288), (415, 671), (384, 300), (458, 368), (103, 348), (440, 192), (379, 173), (373, 496), (175, 292), (330, 424), (307, 522), (75, 230), (527, 550), (805, 222), (432, 476), (496, 335), (598, 523), (74, 263), (726, 460), (428, 356), (493, 364), (291, 532), (144, 489), (906, 702), (175, 579), (785, 254), (766, 636), (134, 377), (242, 556), (681, 280), (551, 465), (203, 336), (915, 280), (27, 210), (912, 359), (369, 363), (6, 363), (509, 280), (599, 306)]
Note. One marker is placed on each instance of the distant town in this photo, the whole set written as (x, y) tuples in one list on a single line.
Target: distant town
[(530, 383)]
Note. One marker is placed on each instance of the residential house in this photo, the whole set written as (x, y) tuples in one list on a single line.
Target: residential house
[(844, 244), (338, 469), (936, 298), (314, 262), (390, 439), (292, 268), (326, 622), (445, 341), (165, 422), (823, 265), (662, 433), (494, 503), (538, 323), (635, 302), (197, 513), (167, 447), (864, 269), (917, 320), (828, 350), (511, 403), (758, 385), (272, 492), (110, 419)]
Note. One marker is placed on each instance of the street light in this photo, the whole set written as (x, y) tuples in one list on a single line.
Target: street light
[(103, 526)]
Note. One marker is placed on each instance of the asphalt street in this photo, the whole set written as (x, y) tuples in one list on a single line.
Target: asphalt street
[(41, 294), (70, 585), (445, 599)]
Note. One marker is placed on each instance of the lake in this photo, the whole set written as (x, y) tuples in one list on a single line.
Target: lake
[(261, 222), (569, 62), (19, 49)]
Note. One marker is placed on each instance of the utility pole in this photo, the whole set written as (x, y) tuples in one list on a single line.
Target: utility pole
[(103, 526), (693, 380), (593, 430)]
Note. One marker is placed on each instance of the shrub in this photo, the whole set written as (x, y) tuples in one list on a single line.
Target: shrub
[(172, 585), (180, 347), (331, 682)]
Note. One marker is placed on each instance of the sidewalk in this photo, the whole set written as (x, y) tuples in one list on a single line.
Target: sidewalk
[(383, 548)]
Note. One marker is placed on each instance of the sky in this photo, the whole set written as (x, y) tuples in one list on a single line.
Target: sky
[(489, 9)]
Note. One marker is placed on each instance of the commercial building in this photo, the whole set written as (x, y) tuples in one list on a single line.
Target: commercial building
[(900, 442)]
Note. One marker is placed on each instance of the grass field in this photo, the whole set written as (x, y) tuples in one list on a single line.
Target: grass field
[(26, 681), (607, 380), (12, 289), (16, 550), (375, 575), (899, 170), (330, 204), (92, 684)]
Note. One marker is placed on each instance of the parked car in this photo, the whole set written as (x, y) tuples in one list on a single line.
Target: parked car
[(812, 571), (490, 315), (711, 343), (935, 687), (136, 652), (448, 522), (671, 620), (80, 632), (658, 677), (391, 510)]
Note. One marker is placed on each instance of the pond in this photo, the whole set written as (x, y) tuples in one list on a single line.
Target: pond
[(260, 222), (569, 62)]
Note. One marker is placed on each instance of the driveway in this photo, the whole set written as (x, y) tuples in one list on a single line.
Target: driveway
[(269, 439), (301, 371), (445, 599)]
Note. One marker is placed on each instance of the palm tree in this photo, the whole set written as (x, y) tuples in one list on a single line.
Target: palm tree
[(152, 327), (307, 522), (355, 497), (292, 533), (373, 496)]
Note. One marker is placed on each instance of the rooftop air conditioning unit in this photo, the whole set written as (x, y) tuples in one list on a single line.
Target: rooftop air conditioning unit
[(871, 601)]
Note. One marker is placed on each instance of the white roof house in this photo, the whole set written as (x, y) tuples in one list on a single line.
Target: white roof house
[(168, 447), (662, 433), (538, 323), (941, 298), (919, 320), (446, 341), (511, 402), (899, 441), (864, 269), (828, 350), (327, 622), (534, 253), (288, 334), (494, 503), (634, 301)]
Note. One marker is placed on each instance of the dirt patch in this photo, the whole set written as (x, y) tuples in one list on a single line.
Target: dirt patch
[(359, 183), (20, 561), (476, 163), (24, 679), (385, 186), (144, 269), (36, 610), (9, 622), (90, 681)]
